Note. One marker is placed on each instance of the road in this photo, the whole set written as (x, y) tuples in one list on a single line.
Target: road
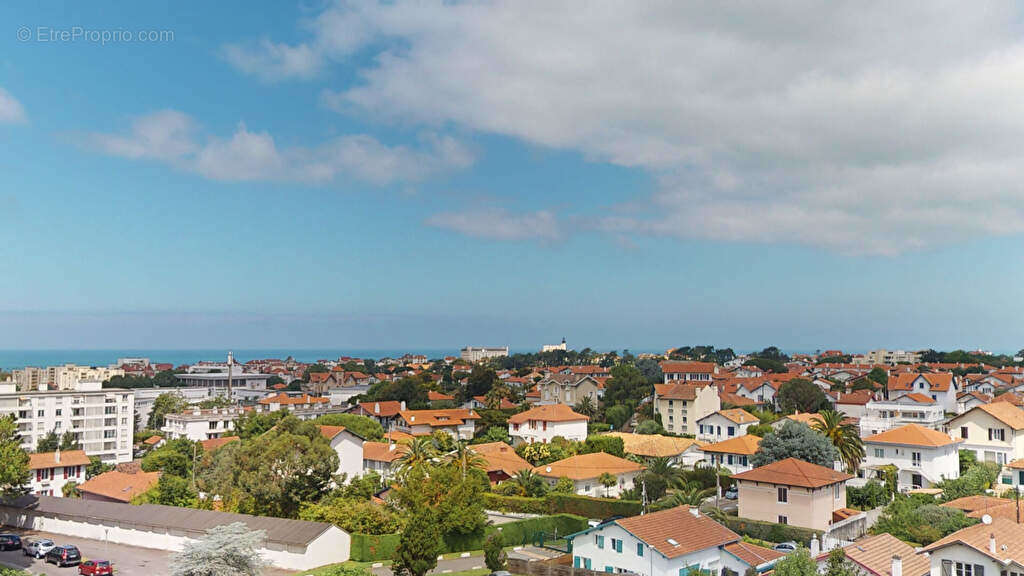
[(450, 565), (128, 560)]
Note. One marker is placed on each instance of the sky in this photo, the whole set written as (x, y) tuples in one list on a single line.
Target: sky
[(419, 174)]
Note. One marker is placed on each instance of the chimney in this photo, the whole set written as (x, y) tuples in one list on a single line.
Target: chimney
[(376, 407), (56, 456), (391, 447), (992, 543), (402, 404), (897, 565), (695, 511), (815, 546)]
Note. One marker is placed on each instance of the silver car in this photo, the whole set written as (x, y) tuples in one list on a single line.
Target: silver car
[(37, 548)]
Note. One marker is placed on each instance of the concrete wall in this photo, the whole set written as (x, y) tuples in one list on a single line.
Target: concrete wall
[(805, 507), (332, 546)]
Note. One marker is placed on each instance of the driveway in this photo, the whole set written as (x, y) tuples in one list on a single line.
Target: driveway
[(128, 560)]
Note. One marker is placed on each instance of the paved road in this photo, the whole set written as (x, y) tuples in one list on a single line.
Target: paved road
[(128, 560)]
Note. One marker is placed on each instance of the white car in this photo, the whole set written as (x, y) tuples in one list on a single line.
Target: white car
[(38, 548)]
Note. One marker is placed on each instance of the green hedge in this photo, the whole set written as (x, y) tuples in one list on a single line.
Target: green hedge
[(585, 506), (368, 548), (770, 531)]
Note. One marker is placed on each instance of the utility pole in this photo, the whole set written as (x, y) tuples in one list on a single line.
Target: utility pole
[(231, 361)]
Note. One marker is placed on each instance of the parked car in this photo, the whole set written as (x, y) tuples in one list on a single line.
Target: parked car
[(731, 494), (96, 568), (786, 547), (37, 548), (10, 542), (65, 555)]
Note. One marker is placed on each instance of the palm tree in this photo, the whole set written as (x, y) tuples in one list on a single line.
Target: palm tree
[(844, 436), (607, 480), (687, 494), (666, 469), (464, 458), (420, 453), (585, 406), (527, 483)]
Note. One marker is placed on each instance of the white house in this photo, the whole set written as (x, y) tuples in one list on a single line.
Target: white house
[(685, 452), (198, 425), (968, 400), (853, 404), (922, 455), (688, 371), (882, 555), (544, 422), (725, 424), (941, 388), (586, 469), (994, 432), (457, 422), (50, 471), (913, 408), (668, 543), (982, 549), (757, 389), (348, 446), (734, 453)]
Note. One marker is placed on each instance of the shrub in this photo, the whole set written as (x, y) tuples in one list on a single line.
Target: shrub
[(871, 495), (769, 531)]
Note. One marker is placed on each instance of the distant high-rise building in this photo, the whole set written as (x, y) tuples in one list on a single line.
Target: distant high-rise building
[(554, 347), (478, 353)]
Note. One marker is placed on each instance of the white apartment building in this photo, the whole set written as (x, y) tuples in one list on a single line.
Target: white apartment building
[(64, 377), (198, 425), (681, 404), (102, 420), (218, 382), (883, 356), (478, 353), (145, 397), (882, 415), (994, 432), (923, 456), (542, 423), (688, 371), (724, 424)]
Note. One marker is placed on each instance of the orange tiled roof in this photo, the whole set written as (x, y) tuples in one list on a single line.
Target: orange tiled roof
[(48, 459), (1009, 540), (738, 415), (504, 404), (214, 443), (1005, 412), (677, 391), (586, 466), (654, 445), (548, 413), (501, 457), (383, 451), (875, 553), (152, 440), (919, 398), (736, 399), (438, 418), (120, 486), (913, 435), (330, 432), (746, 444), (435, 396), (793, 472), (976, 502), (387, 408), (282, 398), (672, 367), (753, 554), (904, 381), (677, 531)]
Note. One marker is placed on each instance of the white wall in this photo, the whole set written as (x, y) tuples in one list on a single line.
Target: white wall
[(936, 463), (350, 454), (571, 430), (652, 563), (715, 428)]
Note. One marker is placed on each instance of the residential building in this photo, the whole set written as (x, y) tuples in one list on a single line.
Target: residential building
[(688, 371), (349, 447), (923, 456), (102, 419), (734, 454), (501, 460), (942, 388), (992, 548), (685, 452), (51, 471), (554, 347), (569, 389), (380, 457), (967, 400), (384, 411), (673, 542), (480, 403), (478, 353), (585, 469), (793, 492), (145, 397), (66, 377), (457, 422), (218, 381), (994, 432), (215, 443), (115, 486), (198, 425), (760, 390), (913, 408), (724, 424), (883, 356), (544, 422), (882, 555), (681, 404), (853, 404)]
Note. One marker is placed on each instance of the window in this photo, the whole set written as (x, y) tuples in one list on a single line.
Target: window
[(600, 541), (915, 458), (783, 520), (997, 434), (950, 568), (835, 491), (729, 459), (40, 413), (609, 569), (783, 496), (731, 430), (879, 452), (639, 549)]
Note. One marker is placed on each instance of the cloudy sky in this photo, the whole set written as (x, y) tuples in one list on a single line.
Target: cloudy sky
[(625, 174)]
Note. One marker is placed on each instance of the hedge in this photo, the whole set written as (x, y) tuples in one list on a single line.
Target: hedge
[(586, 506), (370, 548), (770, 531)]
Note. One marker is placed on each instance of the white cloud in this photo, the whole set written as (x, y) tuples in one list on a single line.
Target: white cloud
[(174, 138), (11, 111), (271, 62), (497, 224), (859, 126)]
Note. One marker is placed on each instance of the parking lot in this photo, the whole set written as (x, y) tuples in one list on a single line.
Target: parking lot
[(128, 560)]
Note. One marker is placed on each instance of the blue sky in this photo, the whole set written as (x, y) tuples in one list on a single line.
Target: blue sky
[(366, 176)]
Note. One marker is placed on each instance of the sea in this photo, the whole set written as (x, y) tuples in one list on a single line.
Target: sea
[(14, 359)]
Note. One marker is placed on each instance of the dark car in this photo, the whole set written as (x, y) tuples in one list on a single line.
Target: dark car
[(10, 542), (95, 568), (66, 555)]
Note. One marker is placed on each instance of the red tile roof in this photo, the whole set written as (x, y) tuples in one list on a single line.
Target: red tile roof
[(49, 459), (548, 413), (793, 472), (677, 531)]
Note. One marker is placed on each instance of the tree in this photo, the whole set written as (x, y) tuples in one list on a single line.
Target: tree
[(879, 376), (627, 386), (798, 563), (649, 426), (795, 440), (602, 443), (801, 395), (353, 516), (666, 469), (494, 552), (176, 457), (48, 443), (164, 404), (564, 486), (838, 565), (968, 458), (618, 415), (96, 467), (529, 484), (364, 426), (418, 546), (464, 458), (607, 480), (68, 442), (14, 471), (480, 382), (228, 550), (252, 424), (585, 407), (767, 365), (170, 490), (419, 454), (844, 435), (70, 490)]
